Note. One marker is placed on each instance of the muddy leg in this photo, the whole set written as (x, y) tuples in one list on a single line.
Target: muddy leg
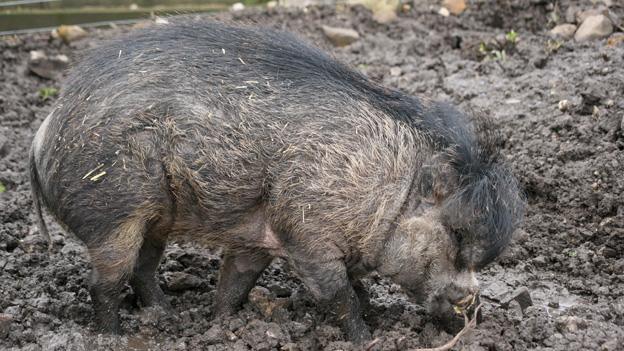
[(238, 275), (105, 300), (144, 280), (363, 296), (330, 285), (113, 258)]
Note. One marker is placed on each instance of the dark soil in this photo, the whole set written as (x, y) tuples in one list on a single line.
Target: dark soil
[(570, 253)]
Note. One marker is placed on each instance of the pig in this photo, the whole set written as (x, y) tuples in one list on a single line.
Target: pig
[(252, 140)]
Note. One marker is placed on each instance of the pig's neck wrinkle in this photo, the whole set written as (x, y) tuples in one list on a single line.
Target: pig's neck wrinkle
[(371, 256)]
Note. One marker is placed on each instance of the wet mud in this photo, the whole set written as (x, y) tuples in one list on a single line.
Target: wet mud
[(568, 156)]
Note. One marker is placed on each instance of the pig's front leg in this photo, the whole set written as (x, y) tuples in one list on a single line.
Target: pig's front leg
[(329, 283), (239, 272)]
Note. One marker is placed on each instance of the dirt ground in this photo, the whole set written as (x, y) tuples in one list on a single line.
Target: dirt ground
[(569, 255)]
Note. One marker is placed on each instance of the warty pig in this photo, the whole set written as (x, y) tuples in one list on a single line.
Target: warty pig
[(252, 140)]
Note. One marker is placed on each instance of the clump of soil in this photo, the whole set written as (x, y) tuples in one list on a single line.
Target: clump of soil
[(570, 253)]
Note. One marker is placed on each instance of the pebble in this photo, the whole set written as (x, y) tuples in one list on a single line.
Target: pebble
[(70, 33), (565, 31), (178, 281), (581, 16), (594, 27), (395, 71), (237, 7), (46, 67), (455, 7), (214, 335), (340, 36), (385, 15), (564, 105), (444, 12)]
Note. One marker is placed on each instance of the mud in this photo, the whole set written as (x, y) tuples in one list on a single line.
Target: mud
[(569, 255)]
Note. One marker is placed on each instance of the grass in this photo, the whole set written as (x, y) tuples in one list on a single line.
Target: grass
[(47, 92)]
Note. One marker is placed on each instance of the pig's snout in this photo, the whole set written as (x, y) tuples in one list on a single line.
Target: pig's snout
[(450, 304)]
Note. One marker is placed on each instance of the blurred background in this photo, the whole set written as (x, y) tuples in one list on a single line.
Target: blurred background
[(25, 15)]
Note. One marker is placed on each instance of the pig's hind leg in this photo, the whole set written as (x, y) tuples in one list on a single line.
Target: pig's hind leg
[(143, 279), (239, 272), (113, 258)]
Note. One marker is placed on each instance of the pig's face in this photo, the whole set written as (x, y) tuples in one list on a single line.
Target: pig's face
[(422, 258)]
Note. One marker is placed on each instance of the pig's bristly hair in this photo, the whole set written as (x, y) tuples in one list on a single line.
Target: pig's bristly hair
[(484, 205)]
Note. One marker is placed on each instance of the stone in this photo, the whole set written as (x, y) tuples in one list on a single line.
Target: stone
[(178, 281), (565, 31), (271, 4), (455, 7), (564, 105), (214, 335), (395, 71), (46, 67), (70, 33), (384, 15), (581, 16), (444, 12), (340, 36), (594, 27), (237, 7)]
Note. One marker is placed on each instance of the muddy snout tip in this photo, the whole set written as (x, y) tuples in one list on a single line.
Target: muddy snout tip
[(465, 303)]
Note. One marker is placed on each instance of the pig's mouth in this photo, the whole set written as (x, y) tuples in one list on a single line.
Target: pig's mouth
[(461, 306), (451, 316)]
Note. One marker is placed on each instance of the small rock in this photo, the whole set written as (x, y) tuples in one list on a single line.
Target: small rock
[(178, 281), (5, 325), (455, 7), (564, 105), (594, 27), (230, 336), (565, 31), (384, 15), (395, 71), (237, 7), (581, 16), (71, 33), (340, 36), (271, 4), (444, 12), (47, 67), (214, 335), (161, 20)]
